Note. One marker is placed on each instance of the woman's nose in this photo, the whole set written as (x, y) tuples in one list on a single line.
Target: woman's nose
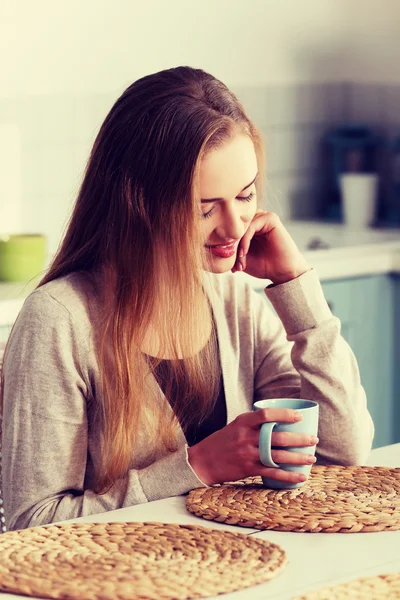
[(232, 225)]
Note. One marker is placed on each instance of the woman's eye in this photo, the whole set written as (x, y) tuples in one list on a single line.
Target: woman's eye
[(207, 214), (248, 198)]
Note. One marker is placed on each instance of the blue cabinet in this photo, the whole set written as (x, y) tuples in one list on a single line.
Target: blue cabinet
[(396, 356), (366, 308)]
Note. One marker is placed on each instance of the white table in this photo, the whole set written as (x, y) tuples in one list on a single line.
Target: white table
[(315, 560)]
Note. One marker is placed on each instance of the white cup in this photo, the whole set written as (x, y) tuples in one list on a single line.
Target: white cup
[(359, 191)]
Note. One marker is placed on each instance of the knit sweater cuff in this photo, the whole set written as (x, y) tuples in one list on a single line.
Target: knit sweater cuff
[(299, 303), (171, 475)]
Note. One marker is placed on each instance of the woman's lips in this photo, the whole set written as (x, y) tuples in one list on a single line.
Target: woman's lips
[(224, 250)]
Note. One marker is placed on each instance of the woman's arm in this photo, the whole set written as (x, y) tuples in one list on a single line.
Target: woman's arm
[(312, 361), (45, 428)]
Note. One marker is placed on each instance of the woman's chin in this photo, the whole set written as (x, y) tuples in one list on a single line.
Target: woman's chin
[(220, 265)]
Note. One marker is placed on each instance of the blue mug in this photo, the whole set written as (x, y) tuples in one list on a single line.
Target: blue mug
[(309, 424)]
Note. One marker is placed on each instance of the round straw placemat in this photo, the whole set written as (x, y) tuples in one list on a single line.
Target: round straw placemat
[(382, 587), (335, 499), (112, 561)]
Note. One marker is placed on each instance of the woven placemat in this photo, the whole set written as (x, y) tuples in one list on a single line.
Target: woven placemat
[(112, 561), (382, 587), (335, 499)]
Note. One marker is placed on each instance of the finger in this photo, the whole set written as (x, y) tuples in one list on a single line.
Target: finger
[(238, 266), (246, 240), (281, 475), (240, 251), (286, 438), (266, 415), (281, 457), (262, 221)]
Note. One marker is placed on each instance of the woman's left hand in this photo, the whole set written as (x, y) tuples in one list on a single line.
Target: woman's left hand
[(267, 251)]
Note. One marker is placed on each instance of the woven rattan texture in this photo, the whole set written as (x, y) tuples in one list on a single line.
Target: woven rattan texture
[(335, 499), (112, 561), (383, 587)]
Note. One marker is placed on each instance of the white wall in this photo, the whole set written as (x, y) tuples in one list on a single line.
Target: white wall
[(64, 62), (373, 32), (85, 46)]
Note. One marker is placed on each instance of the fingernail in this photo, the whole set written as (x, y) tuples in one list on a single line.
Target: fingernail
[(241, 252), (311, 459), (314, 440), (297, 416), (240, 267), (301, 477)]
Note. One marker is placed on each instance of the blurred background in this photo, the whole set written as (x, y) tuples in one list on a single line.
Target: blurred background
[(299, 68), (320, 78)]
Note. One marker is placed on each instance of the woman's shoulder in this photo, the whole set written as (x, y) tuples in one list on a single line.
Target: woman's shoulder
[(71, 290), (72, 296), (53, 327)]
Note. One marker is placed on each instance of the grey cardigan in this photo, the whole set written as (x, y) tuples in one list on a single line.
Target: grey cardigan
[(50, 442)]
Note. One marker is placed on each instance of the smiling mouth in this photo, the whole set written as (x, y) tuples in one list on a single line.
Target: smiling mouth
[(223, 250)]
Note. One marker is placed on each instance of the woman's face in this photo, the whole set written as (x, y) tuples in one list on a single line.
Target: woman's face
[(228, 199)]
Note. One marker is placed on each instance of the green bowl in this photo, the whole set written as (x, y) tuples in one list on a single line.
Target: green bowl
[(22, 257)]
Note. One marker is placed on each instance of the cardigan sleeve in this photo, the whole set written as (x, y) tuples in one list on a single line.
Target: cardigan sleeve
[(302, 354)]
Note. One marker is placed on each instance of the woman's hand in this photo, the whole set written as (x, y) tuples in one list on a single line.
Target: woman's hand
[(267, 251), (232, 452)]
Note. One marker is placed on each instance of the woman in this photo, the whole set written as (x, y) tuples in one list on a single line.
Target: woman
[(130, 373)]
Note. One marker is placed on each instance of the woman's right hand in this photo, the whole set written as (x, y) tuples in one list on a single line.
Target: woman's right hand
[(232, 452)]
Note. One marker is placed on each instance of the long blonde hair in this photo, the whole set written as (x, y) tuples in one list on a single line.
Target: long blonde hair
[(136, 221)]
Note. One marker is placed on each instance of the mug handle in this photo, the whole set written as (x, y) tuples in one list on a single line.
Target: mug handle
[(265, 445)]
